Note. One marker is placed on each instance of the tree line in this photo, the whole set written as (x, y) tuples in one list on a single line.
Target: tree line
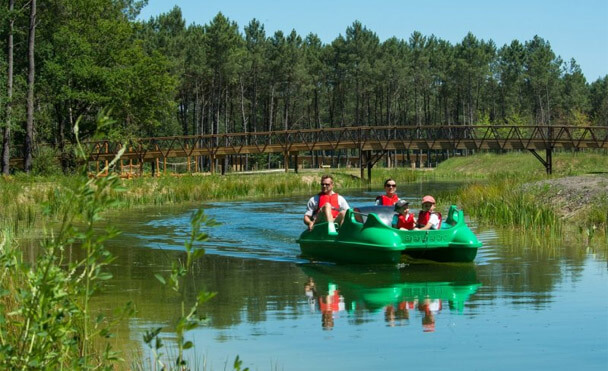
[(67, 61)]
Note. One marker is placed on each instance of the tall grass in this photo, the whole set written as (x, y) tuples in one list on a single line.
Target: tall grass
[(22, 197), (501, 201)]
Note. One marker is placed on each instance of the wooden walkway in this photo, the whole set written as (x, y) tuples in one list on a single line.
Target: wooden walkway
[(371, 142)]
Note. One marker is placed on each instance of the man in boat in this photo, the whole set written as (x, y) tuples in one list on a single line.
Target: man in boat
[(390, 197), (325, 206)]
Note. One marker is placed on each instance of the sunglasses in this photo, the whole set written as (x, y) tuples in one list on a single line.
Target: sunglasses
[(391, 185)]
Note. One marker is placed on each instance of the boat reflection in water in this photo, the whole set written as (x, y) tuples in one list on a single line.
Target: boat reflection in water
[(424, 289)]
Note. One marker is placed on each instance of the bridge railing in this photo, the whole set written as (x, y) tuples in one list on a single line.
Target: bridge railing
[(445, 137), (393, 137)]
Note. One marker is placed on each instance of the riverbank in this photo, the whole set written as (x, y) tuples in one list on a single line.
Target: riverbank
[(29, 202), (513, 190), (573, 197)]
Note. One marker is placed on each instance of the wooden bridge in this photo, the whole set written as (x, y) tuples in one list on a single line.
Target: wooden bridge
[(370, 143)]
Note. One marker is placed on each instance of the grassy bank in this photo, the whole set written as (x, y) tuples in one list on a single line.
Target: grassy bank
[(513, 190), (496, 194), (523, 165), (28, 202)]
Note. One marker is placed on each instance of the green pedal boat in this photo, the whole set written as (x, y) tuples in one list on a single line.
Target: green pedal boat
[(366, 236)]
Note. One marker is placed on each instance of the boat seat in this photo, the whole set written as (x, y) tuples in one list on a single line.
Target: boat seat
[(384, 213), (453, 216)]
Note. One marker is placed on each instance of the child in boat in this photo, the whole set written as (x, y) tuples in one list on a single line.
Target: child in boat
[(390, 197), (404, 219), (428, 217)]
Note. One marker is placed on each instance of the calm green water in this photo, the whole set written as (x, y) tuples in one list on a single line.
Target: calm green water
[(523, 302)]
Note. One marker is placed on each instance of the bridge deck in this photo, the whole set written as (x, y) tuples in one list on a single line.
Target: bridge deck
[(361, 138), (364, 139)]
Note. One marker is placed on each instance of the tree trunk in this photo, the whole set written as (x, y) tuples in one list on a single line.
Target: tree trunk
[(317, 111), (29, 127), (270, 118), (286, 108), (6, 137), (61, 138)]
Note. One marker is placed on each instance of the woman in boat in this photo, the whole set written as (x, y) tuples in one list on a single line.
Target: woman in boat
[(404, 219), (327, 205), (390, 197), (428, 217)]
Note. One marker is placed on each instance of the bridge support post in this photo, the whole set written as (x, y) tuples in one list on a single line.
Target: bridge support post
[(295, 155), (212, 164), (286, 161), (368, 161), (106, 162), (547, 161), (361, 166)]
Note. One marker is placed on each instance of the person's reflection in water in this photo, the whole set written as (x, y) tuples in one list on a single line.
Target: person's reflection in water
[(327, 320), (389, 315), (332, 302), (429, 307), (311, 293), (397, 317)]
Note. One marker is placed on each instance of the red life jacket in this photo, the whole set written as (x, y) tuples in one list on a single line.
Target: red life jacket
[(330, 303), (425, 216), (387, 201), (333, 201), (407, 223)]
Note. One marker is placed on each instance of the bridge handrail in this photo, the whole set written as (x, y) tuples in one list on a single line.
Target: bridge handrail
[(459, 128)]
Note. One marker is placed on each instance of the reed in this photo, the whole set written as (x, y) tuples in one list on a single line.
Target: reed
[(501, 201), (27, 204)]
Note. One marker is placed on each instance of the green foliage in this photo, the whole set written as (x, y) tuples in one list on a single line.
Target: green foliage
[(502, 201), (46, 162), (161, 77), (47, 322), (598, 214), (599, 101), (89, 60)]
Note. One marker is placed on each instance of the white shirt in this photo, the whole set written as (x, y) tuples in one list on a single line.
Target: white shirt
[(313, 205), (434, 220)]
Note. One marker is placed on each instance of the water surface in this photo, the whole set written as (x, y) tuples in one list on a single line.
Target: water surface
[(522, 302)]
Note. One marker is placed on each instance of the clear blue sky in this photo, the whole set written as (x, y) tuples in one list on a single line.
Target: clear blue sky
[(575, 29)]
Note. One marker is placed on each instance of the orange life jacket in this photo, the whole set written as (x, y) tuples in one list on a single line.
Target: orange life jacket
[(333, 201), (388, 201), (407, 223), (425, 216)]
